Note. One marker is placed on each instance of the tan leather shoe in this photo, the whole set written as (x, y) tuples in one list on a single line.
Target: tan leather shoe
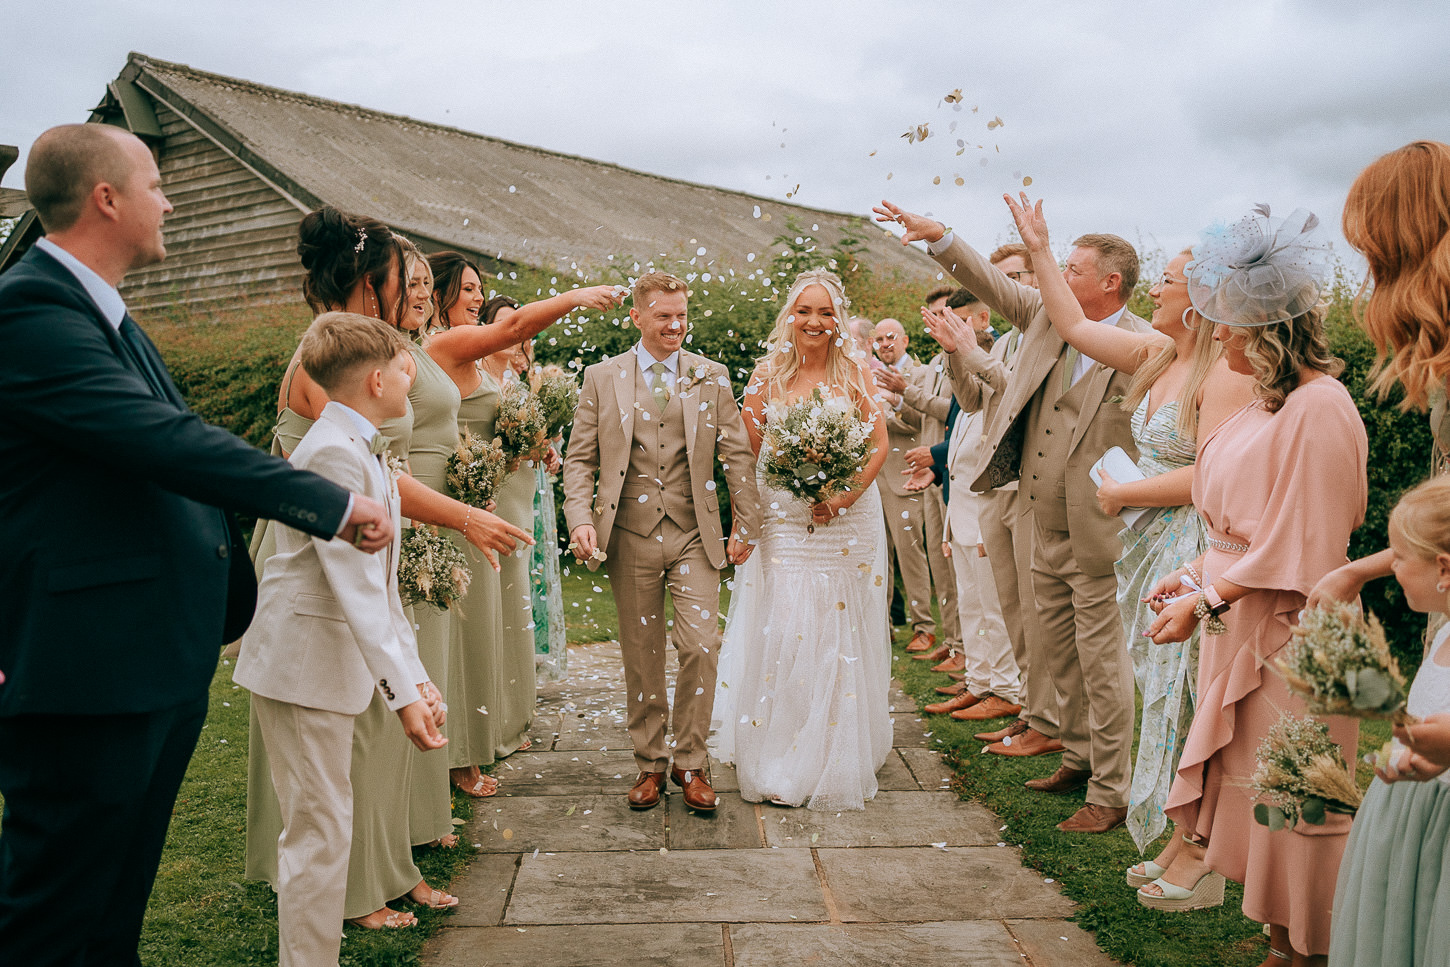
[(936, 654), (962, 700), (920, 642), (1094, 819), (1064, 780), (1029, 742), (1016, 728), (955, 662), (991, 707), (957, 676), (647, 790), (696, 786), (955, 688)]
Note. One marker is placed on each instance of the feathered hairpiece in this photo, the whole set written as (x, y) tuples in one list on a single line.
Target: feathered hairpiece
[(1259, 270)]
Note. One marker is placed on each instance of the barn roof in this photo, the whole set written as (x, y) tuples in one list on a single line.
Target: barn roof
[(514, 202)]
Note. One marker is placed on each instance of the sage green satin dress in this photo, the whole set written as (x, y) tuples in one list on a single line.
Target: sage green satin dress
[(380, 866), (435, 401), (491, 657)]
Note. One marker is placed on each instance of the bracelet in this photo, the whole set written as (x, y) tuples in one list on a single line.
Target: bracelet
[(1212, 623), (1188, 568), (467, 519)]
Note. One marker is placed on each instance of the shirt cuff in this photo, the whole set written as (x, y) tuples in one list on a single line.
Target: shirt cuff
[(346, 514), (941, 244)]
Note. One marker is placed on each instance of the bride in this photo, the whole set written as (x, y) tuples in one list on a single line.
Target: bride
[(801, 704)]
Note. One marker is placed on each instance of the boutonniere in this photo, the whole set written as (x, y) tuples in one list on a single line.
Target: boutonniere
[(692, 376), (377, 445), (1116, 399), (397, 466)]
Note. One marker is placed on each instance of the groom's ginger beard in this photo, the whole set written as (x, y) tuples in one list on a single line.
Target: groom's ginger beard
[(663, 322)]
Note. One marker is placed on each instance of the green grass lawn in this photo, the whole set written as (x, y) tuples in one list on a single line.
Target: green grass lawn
[(1090, 868), (203, 912)]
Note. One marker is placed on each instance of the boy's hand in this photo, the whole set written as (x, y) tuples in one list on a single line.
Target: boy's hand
[(434, 698), (418, 726), (370, 528)]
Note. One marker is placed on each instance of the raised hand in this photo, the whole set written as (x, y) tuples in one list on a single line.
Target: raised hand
[(369, 527), (950, 330), (889, 380), (1031, 225), (600, 297), (918, 228)]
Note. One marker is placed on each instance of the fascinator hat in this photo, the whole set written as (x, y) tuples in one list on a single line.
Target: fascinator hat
[(1258, 270)]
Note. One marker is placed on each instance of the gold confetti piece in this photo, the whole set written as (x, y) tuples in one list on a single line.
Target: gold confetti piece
[(871, 155), (919, 133), (508, 834), (954, 97), (1026, 181), (840, 606), (994, 123), (936, 180), (960, 180), (888, 175)]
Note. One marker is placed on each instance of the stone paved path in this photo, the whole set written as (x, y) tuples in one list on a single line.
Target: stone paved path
[(568, 876)]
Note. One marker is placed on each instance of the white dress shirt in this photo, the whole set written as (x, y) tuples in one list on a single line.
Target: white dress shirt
[(103, 293)]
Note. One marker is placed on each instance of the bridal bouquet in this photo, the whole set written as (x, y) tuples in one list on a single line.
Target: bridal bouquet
[(431, 569), (558, 396), (1301, 774), (522, 426), (475, 469), (815, 448), (1339, 661)]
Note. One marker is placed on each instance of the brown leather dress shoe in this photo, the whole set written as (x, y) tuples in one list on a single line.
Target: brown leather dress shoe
[(955, 662), (963, 699), (920, 642), (991, 707), (936, 654), (1094, 819), (957, 676), (696, 785), (955, 688), (1016, 728), (1064, 780), (647, 790), (1028, 742)]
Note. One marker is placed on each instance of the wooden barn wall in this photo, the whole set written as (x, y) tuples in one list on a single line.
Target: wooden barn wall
[(231, 238)]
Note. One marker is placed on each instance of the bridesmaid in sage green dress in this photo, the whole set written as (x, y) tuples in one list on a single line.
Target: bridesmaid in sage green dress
[(485, 722)]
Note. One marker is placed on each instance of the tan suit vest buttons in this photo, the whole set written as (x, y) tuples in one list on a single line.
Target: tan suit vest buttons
[(659, 469)]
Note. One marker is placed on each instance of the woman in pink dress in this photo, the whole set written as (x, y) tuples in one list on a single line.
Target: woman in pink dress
[(1280, 486)]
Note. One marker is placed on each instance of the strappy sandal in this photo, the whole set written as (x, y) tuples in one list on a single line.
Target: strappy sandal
[(437, 899), (1150, 872), (479, 789), (1207, 892), (392, 920)]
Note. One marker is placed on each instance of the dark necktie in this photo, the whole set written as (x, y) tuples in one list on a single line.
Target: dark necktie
[(141, 354)]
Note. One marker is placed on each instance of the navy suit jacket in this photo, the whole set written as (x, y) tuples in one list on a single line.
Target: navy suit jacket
[(119, 576), (939, 453)]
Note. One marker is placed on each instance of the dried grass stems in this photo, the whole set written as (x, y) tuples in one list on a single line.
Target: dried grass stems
[(1339, 660), (1301, 774), (431, 569), (475, 469)]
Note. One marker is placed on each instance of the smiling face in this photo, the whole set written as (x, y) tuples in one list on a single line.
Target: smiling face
[(814, 319), (1170, 297), (890, 341), (419, 300), (663, 321), (464, 311), (142, 205), (1422, 577)]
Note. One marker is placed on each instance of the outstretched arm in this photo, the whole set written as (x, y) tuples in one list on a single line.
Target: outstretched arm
[(466, 343), (1109, 345)]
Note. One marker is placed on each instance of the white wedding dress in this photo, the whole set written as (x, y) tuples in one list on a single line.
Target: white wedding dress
[(801, 701)]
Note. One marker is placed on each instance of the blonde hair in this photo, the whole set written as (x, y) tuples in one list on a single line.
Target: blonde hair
[(1279, 350), (338, 343), (652, 282), (1398, 216), (1206, 352), (411, 259), (1422, 517), (782, 359)]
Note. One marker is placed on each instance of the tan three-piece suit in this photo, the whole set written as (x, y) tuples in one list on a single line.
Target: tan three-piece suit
[(906, 531), (928, 393), (655, 510), (1048, 430)]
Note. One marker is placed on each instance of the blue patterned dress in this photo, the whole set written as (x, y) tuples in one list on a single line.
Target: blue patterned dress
[(1166, 674)]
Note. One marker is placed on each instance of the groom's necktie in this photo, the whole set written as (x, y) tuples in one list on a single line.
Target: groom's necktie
[(661, 388)]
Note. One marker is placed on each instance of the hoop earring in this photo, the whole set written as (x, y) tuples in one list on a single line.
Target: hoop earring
[(1186, 313)]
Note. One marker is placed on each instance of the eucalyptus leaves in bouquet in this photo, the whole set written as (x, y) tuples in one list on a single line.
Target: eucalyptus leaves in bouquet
[(814, 448), (1301, 774), (475, 469), (1339, 660), (558, 396), (431, 569), (523, 429)]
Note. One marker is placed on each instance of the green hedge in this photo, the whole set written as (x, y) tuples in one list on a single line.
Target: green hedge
[(229, 364)]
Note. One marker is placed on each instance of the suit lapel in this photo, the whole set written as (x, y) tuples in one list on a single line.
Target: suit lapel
[(623, 369), (689, 402), (1099, 376)]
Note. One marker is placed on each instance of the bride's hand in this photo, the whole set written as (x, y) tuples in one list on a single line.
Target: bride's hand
[(737, 550), (827, 510), (1031, 224)]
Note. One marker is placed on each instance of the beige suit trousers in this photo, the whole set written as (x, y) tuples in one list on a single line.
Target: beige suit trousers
[(905, 537), (943, 576), (990, 668), (1007, 535), (1081, 631), (310, 754), (640, 570)]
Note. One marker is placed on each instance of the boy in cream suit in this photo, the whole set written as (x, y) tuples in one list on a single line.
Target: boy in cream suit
[(329, 631)]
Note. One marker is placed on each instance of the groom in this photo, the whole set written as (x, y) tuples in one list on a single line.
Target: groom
[(651, 424)]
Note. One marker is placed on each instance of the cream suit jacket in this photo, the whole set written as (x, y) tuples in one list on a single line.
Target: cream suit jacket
[(329, 627), (903, 431), (603, 432), (1041, 346)]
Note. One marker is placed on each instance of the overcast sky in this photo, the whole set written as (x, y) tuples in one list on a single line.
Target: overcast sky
[(1150, 120)]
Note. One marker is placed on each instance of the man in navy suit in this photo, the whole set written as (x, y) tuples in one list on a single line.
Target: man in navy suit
[(121, 574)]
